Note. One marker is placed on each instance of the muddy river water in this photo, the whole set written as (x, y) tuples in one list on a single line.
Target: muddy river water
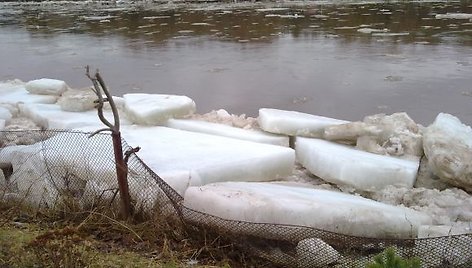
[(339, 60)]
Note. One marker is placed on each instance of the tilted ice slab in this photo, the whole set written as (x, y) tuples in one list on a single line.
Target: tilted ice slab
[(228, 131), (51, 116), (154, 109), (345, 165), (321, 209), (294, 123), (186, 159)]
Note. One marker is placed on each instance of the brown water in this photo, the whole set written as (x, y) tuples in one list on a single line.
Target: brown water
[(309, 58)]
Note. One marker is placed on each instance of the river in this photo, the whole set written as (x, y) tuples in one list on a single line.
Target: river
[(338, 60)]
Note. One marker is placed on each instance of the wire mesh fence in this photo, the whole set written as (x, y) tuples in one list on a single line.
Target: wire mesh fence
[(51, 169)]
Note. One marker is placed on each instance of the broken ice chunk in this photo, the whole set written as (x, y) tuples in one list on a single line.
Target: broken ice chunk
[(448, 146), (154, 109), (294, 123), (345, 165), (46, 86), (77, 100), (396, 134)]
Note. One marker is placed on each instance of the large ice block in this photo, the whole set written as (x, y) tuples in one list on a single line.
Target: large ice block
[(346, 165), (51, 116), (292, 205), (154, 109), (448, 146), (46, 86), (228, 131), (185, 158), (294, 123)]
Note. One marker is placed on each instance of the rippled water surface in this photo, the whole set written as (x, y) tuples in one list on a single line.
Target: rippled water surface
[(337, 60)]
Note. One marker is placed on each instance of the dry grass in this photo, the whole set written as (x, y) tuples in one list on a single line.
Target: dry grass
[(67, 237)]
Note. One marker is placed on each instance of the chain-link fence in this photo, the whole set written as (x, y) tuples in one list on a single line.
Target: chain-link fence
[(53, 169)]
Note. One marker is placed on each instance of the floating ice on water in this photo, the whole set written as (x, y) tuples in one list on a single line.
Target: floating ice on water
[(200, 24), (272, 9), (371, 30), (227, 131), (448, 146), (98, 18), (292, 16), (46, 86), (291, 205), (156, 17), (390, 34), (345, 165), (346, 28), (294, 123), (154, 109), (457, 16)]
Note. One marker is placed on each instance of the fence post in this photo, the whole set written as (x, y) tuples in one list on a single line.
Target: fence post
[(120, 163)]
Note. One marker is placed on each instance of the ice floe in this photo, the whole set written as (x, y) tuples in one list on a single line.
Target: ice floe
[(457, 16)]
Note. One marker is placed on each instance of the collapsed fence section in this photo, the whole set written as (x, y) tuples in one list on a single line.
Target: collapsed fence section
[(57, 169)]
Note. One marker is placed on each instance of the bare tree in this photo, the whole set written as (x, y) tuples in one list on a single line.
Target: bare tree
[(100, 88)]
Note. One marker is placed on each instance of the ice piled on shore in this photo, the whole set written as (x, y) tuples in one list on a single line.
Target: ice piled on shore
[(77, 100), (228, 131), (155, 109), (326, 210), (448, 147), (344, 165), (294, 123), (190, 159), (51, 116), (395, 134), (46, 86)]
